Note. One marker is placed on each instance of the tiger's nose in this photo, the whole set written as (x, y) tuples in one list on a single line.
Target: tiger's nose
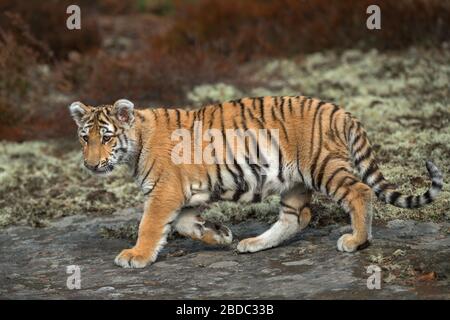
[(91, 166)]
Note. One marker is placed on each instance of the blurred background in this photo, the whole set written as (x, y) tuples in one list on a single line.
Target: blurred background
[(176, 53)]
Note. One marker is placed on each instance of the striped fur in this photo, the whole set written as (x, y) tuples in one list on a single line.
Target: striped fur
[(319, 147)]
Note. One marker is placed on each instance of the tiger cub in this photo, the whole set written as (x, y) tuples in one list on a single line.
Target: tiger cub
[(291, 146)]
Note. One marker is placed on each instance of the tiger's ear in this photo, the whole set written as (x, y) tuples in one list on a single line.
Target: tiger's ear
[(124, 111), (78, 110)]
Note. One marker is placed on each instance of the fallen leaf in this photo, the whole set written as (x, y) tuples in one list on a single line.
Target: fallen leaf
[(430, 276)]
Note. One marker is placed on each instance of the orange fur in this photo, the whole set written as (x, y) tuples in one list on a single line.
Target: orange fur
[(319, 146)]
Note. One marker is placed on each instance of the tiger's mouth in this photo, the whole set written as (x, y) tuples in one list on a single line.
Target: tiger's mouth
[(103, 170)]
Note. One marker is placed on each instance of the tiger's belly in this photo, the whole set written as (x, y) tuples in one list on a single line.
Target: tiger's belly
[(201, 196)]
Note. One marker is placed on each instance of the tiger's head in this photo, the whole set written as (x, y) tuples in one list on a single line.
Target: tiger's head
[(105, 133)]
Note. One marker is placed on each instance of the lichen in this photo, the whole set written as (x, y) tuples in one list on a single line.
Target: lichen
[(45, 180), (208, 93)]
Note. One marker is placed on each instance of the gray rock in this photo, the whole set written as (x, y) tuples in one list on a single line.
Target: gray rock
[(224, 264), (304, 262), (306, 267)]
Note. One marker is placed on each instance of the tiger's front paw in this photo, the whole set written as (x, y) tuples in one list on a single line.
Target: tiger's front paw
[(250, 245), (132, 258)]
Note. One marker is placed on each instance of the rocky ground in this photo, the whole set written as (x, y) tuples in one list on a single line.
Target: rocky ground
[(413, 258)]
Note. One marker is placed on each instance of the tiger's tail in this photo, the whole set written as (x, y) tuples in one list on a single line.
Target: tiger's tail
[(366, 165)]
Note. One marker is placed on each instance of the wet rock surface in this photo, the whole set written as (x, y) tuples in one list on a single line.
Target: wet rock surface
[(413, 258)]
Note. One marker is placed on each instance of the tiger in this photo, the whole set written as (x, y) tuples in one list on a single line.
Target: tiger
[(316, 147)]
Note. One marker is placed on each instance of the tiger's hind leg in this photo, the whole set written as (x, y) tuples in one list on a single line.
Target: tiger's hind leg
[(355, 197), (189, 223), (294, 216)]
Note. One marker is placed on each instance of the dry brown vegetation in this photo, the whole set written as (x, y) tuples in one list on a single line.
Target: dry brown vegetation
[(154, 51)]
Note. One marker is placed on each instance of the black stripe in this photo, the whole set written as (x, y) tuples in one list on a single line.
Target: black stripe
[(378, 179), (243, 119), (209, 181), (166, 113), (275, 117), (312, 131), (381, 188), (283, 204), (339, 201), (155, 113), (409, 200), (362, 146), (293, 213), (261, 109), (298, 166), (193, 120), (338, 132), (242, 186), (282, 109), (436, 184), (335, 109), (254, 168), (427, 197), (103, 122), (178, 113), (254, 103), (350, 131), (259, 155), (363, 157), (219, 175), (309, 104), (222, 124), (373, 168), (319, 151), (261, 125), (357, 139), (280, 165), (151, 190), (322, 171), (148, 172), (302, 106), (394, 196), (333, 175)]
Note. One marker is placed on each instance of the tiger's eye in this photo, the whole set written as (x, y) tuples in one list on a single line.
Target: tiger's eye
[(85, 138), (106, 138)]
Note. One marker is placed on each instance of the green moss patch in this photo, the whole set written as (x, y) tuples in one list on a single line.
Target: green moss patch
[(45, 180)]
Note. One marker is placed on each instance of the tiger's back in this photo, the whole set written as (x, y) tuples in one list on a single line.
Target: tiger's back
[(317, 143)]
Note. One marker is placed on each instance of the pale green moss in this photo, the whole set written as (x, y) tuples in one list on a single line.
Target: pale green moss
[(208, 93), (226, 211), (44, 180)]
